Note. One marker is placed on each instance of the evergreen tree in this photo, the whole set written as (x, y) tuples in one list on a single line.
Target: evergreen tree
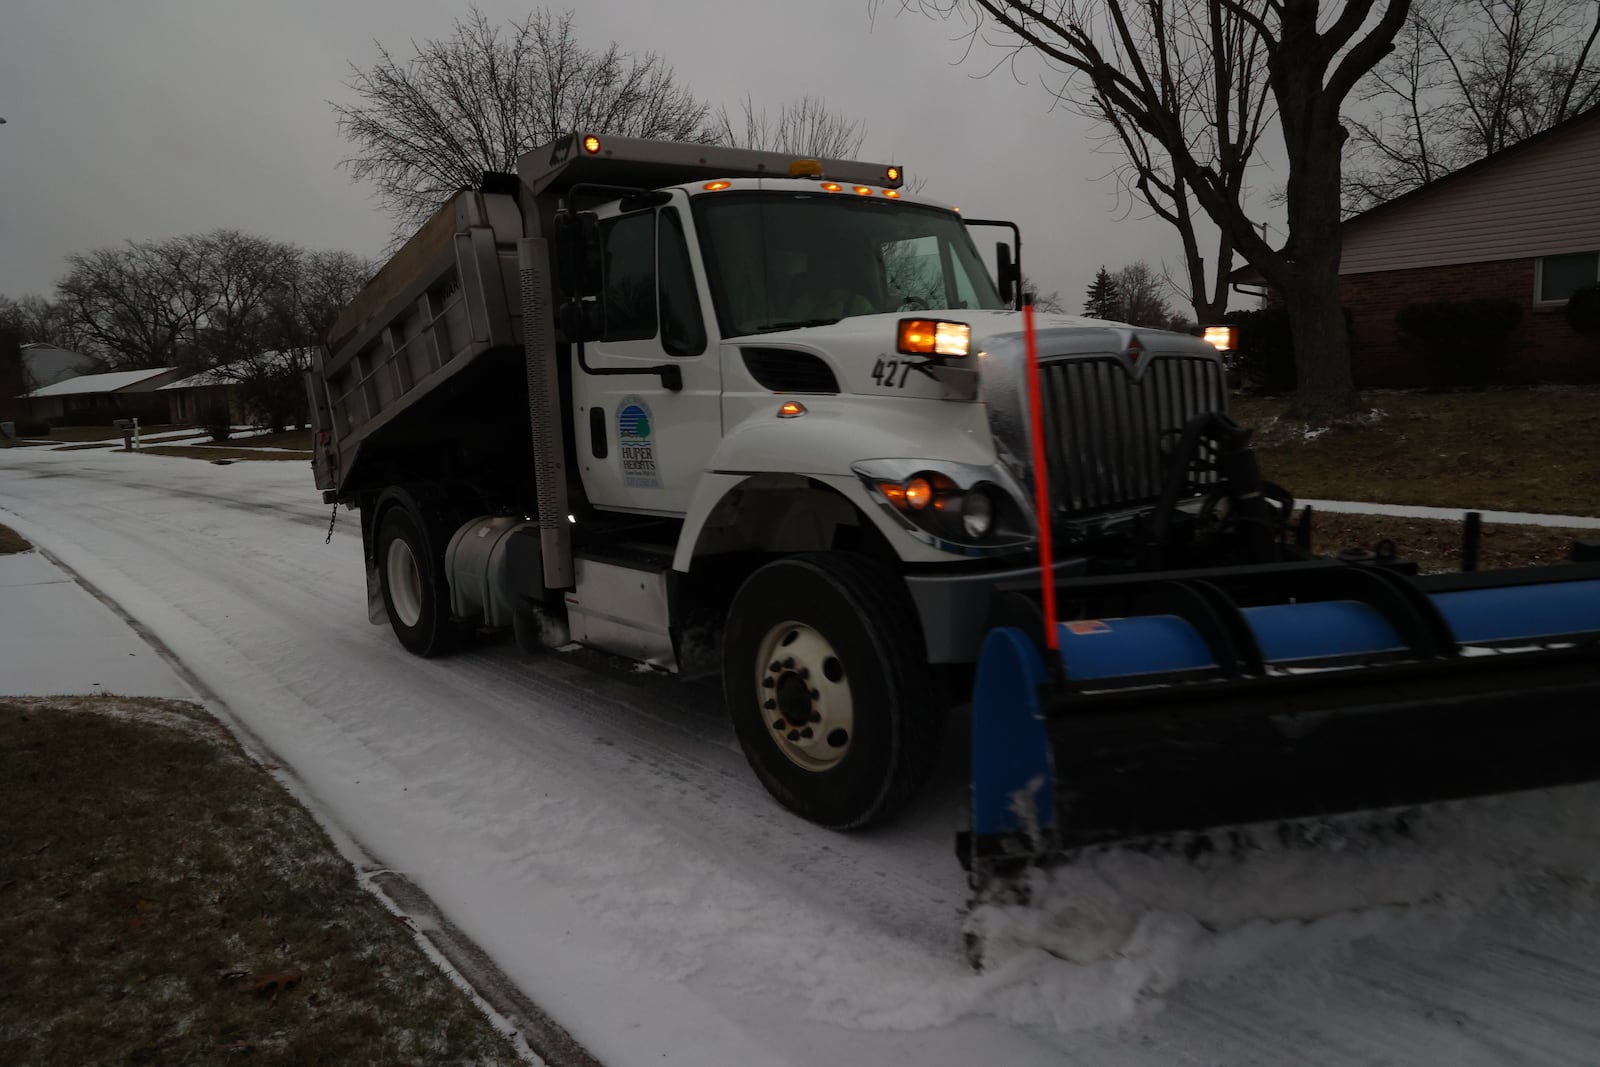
[(1104, 299)]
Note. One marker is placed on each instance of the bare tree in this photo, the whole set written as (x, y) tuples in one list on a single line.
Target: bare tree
[(1467, 80), (36, 319), (1142, 295), (137, 305), (1211, 69), (1315, 53), (807, 126), (473, 102), (1049, 303)]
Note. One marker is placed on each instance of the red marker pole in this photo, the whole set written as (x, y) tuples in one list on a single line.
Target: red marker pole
[(1041, 484)]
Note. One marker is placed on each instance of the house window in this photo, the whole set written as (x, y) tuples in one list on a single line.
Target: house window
[(1560, 275)]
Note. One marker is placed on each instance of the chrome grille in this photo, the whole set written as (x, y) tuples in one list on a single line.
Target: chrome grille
[(1107, 432)]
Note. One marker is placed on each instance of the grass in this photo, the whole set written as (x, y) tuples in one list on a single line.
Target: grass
[(229, 451), (1506, 450), (164, 901), (74, 434), (11, 541)]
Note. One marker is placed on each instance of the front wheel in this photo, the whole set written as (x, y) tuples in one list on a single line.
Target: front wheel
[(827, 684)]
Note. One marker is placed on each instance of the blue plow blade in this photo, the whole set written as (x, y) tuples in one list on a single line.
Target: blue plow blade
[(1111, 667)]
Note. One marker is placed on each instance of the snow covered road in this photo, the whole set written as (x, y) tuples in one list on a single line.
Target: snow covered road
[(599, 833)]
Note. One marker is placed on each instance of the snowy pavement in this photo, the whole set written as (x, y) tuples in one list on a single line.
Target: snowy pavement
[(598, 833)]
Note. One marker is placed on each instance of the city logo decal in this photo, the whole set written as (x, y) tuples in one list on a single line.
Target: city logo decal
[(636, 444)]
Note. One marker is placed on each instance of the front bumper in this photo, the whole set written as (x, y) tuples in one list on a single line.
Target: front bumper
[(955, 609)]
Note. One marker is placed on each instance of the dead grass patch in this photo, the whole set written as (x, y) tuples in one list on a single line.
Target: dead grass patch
[(222, 452), (163, 900), (11, 541), (300, 439), (1508, 450), (67, 434)]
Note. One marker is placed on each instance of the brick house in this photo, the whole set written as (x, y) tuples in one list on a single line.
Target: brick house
[(96, 399), (1522, 224)]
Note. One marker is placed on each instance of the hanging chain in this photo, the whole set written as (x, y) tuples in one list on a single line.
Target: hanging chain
[(331, 520)]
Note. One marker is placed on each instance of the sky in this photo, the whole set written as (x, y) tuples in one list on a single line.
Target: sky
[(144, 121)]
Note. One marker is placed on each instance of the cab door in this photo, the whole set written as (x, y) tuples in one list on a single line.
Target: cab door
[(641, 445)]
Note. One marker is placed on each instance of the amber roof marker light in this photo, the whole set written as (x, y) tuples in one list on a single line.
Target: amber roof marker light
[(591, 145)]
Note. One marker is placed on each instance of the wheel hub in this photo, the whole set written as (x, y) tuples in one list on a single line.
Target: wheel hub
[(405, 582), (805, 696)]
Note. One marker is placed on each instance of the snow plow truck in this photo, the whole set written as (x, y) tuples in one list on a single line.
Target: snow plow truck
[(724, 410)]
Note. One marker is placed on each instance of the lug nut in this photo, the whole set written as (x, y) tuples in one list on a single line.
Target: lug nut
[(816, 694), (807, 734), (793, 735), (789, 663), (769, 705), (779, 724), (774, 666), (767, 683), (804, 673)]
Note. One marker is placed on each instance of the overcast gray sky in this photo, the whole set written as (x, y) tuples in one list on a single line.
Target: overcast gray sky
[(146, 119)]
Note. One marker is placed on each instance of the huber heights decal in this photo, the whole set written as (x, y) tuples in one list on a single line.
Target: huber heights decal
[(637, 444)]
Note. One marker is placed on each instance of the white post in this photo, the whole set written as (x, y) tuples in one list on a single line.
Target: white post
[(136, 435)]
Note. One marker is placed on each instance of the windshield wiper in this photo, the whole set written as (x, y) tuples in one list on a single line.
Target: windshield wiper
[(791, 324)]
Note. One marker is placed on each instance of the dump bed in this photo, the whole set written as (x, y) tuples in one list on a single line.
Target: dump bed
[(449, 295)]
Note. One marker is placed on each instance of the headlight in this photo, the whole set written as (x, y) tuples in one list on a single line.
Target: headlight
[(977, 514)]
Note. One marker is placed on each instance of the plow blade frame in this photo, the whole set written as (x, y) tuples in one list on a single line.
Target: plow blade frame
[(1277, 692)]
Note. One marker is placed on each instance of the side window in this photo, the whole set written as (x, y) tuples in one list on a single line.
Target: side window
[(966, 292), (629, 295), (683, 330)]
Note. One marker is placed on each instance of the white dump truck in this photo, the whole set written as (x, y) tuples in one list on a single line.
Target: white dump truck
[(719, 409)]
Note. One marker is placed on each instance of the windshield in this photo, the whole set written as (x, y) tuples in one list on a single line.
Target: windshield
[(779, 260)]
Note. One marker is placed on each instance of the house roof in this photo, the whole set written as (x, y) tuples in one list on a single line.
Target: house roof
[(1498, 159), (47, 364), (113, 382), (214, 376), (226, 373), (1530, 199)]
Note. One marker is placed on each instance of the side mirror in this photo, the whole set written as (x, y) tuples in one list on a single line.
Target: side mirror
[(1010, 278), (581, 320), (575, 252)]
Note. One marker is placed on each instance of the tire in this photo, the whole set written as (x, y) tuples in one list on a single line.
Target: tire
[(414, 592), (831, 638)]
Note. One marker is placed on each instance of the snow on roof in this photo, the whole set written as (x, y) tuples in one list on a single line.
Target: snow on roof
[(97, 383), (214, 376), (227, 374)]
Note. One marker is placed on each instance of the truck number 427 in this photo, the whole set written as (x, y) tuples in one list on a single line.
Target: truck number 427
[(884, 371)]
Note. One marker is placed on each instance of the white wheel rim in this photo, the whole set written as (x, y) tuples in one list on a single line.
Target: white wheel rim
[(800, 677), (405, 583)]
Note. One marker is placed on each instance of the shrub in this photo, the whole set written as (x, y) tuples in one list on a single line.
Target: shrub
[(218, 422), (32, 428), (1264, 357), (1462, 340), (1583, 310)]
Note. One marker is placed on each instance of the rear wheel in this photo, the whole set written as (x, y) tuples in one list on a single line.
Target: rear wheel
[(414, 593), (827, 684)]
